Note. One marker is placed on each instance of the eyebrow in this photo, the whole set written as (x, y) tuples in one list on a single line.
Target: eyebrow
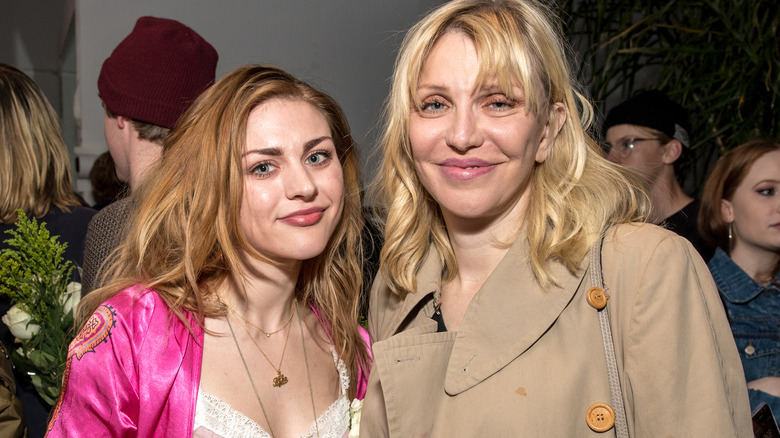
[(491, 88), (275, 151)]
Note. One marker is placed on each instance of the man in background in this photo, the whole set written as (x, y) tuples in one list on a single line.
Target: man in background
[(648, 133), (147, 83)]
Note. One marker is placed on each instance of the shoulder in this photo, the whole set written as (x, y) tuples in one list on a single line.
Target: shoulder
[(641, 240), (138, 311), (73, 221), (121, 321), (382, 304), (653, 273), (80, 214), (113, 215), (138, 318), (136, 298), (642, 262)]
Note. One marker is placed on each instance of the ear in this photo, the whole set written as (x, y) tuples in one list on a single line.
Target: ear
[(727, 210), (555, 121), (122, 121), (672, 151)]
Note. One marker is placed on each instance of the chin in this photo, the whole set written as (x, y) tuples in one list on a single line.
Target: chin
[(300, 252)]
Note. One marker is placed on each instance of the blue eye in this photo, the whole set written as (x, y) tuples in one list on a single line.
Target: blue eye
[(433, 105), (263, 168), (319, 157)]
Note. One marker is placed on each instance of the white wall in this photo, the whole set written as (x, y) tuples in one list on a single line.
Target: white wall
[(37, 37), (345, 47)]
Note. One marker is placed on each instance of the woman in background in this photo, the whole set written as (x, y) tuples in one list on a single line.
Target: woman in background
[(35, 177), (35, 172), (486, 316), (232, 308), (740, 214)]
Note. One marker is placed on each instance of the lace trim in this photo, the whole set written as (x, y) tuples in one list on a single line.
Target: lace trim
[(220, 418)]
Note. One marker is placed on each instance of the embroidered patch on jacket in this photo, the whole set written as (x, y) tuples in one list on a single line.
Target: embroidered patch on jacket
[(95, 331)]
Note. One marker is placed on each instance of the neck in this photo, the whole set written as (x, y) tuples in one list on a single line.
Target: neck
[(667, 197), (264, 295), (480, 244), (760, 265), (144, 154)]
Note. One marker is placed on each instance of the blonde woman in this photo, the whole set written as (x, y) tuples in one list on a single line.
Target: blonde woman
[(483, 317), (35, 174), (35, 177), (232, 309)]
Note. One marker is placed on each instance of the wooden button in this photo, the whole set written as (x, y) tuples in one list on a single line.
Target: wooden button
[(600, 417), (597, 298)]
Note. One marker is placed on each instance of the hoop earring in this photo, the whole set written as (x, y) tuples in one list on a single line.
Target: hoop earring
[(731, 240)]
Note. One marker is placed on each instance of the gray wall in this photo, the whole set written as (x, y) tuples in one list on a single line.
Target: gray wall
[(37, 37), (345, 47)]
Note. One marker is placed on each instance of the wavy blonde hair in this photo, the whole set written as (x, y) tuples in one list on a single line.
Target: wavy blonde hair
[(185, 237), (34, 161), (576, 193)]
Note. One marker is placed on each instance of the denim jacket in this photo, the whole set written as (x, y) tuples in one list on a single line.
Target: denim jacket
[(754, 314)]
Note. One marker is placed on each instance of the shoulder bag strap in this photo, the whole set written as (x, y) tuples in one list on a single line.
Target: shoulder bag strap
[(597, 280)]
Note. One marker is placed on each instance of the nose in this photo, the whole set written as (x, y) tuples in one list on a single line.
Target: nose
[(464, 130), (300, 183)]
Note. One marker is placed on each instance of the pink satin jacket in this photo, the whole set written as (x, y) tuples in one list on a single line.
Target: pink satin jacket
[(134, 370)]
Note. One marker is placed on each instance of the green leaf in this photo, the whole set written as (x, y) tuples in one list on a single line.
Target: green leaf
[(34, 275)]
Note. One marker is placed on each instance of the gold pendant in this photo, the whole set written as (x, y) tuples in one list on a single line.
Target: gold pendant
[(280, 379)]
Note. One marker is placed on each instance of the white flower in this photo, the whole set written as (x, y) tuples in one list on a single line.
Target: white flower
[(71, 297), (16, 319), (354, 418)]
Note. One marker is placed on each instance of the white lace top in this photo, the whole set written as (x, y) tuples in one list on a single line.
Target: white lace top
[(215, 418)]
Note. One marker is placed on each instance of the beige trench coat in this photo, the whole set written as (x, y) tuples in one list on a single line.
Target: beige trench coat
[(529, 363)]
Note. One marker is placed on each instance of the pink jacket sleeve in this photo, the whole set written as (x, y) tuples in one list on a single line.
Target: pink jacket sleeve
[(362, 378), (133, 370)]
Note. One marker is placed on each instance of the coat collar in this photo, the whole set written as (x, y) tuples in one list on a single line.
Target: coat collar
[(506, 316), (734, 284)]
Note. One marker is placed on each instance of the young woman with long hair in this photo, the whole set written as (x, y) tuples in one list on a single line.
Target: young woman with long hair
[(232, 307)]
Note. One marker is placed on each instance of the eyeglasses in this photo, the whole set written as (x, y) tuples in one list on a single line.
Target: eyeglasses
[(625, 147)]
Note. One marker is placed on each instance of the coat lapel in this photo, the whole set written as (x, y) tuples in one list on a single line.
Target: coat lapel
[(507, 315), (416, 307)]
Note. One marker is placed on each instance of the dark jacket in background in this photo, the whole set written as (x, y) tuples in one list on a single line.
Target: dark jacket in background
[(71, 227)]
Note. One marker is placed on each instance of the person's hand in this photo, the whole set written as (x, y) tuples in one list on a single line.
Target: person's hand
[(769, 385)]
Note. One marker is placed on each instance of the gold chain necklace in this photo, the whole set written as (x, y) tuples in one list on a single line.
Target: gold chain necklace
[(280, 378), (254, 388), (251, 380), (267, 334)]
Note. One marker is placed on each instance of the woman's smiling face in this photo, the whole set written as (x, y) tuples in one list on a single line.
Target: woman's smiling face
[(293, 181), (474, 148)]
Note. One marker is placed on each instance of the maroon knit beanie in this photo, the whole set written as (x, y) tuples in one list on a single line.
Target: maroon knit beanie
[(155, 73)]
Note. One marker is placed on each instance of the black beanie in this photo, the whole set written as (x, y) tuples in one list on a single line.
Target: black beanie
[(651, 109)]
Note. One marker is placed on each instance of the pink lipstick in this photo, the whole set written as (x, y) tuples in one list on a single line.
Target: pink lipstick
[(304, 218), (465, 168)]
